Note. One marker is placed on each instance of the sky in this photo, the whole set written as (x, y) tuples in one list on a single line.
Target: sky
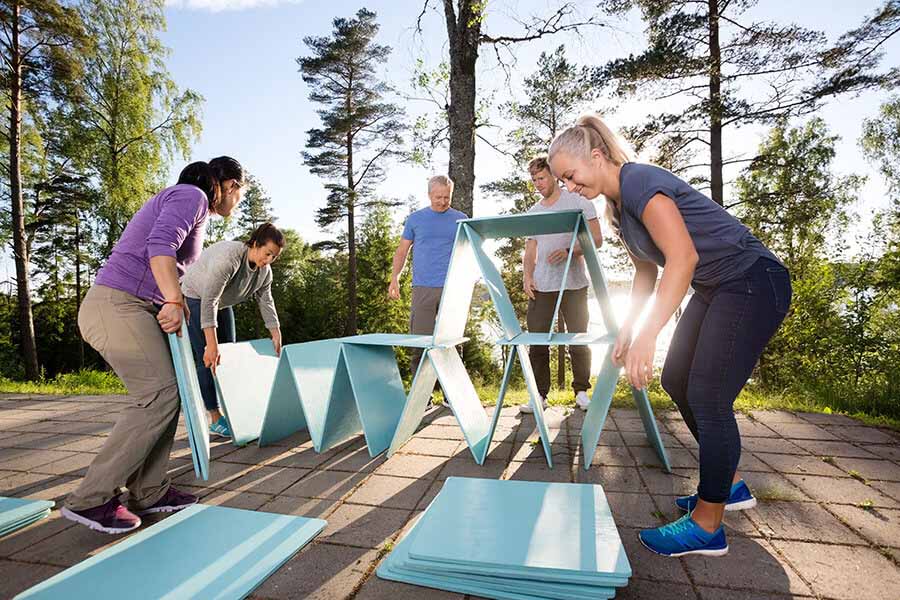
[(241, 56)]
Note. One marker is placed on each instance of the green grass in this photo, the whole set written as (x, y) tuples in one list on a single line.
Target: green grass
[(68, 384)]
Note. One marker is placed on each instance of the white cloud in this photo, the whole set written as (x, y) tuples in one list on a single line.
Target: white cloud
[(220, 5)]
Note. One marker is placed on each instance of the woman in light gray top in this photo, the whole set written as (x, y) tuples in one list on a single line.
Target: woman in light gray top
[(228, 273)]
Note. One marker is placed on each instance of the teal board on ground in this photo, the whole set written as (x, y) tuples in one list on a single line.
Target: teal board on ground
[(244, 381), (208, 552), (16, 513), (560, 532), (191, 401)]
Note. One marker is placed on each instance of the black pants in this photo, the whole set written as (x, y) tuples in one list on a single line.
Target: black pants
[(716, 345), (225, 334), (574, 309)]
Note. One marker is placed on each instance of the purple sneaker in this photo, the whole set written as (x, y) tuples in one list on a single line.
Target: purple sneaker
[(111, 517), (172, 501)]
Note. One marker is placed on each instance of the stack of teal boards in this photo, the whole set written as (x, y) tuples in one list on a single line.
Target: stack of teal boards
[(16, 513), (514, 540), (207, 552)]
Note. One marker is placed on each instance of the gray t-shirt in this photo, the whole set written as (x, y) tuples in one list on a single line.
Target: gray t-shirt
[(223, 277), (725, 246), (547, 277)]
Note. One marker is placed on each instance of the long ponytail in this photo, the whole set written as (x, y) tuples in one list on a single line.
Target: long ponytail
[(210, 176)]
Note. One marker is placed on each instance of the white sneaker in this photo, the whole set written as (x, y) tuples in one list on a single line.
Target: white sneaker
[(582, 400), (527, 410)]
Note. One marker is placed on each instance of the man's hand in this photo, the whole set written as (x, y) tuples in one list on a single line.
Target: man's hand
[(394, 290), (557, 256), (528, 286)]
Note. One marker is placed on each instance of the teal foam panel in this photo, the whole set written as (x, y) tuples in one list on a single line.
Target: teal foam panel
[(496, 288), (191, 401), (598, 279), (601, 400), (402, 340), (534, 399), (378, 390), (562, 287), (342, 420), (16, 513), (525, 224), (244, 381), (551, 532), (650, 426), (394, 567), (498, 408), (538, 338), (416, 403), (463, 399), (208, 552), (456, 299)]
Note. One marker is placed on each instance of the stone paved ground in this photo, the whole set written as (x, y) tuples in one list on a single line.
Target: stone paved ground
[(827, 526)]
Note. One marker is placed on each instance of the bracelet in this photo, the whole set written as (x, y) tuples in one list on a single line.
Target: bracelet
[(175, 302)]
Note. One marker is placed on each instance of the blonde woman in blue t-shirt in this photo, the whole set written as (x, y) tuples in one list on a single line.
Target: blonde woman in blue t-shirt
[(741, 295)]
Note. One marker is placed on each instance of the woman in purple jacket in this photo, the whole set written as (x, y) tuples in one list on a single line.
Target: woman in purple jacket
[(135, 301)]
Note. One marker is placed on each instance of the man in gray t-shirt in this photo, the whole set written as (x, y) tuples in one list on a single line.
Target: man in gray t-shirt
[(542, 268)]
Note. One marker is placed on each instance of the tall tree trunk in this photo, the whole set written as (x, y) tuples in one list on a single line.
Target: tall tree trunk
[(78, 285), (463, 32), (351, 236), (715, 104), (20, 247)]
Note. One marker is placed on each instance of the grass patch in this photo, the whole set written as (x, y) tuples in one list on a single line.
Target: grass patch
[(866, 504), (857, 476), (68, 384), (771, 494)]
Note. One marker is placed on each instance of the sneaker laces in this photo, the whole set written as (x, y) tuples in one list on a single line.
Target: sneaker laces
[(676, 527)]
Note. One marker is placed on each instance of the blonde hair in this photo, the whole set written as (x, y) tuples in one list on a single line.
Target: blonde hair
[(536, 165), (440, 180), (591, 133)]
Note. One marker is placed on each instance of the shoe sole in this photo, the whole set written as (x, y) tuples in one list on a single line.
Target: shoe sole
[(718, 552), (94, 525), (163, 509), (742, 505)]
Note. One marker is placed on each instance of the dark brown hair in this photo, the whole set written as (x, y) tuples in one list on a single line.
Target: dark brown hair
[(209, 176), (264, 234)]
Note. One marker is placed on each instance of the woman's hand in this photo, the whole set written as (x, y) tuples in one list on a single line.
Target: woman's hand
[(170, 317), (211, 357), (623, 342), (276, 340), (639, 362)]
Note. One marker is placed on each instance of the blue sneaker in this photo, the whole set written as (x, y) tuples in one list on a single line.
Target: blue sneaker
[(683, 537), (740, 499), (220, 427)]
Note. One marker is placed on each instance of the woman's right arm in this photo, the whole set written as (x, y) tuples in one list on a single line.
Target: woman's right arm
[(166, 275), (642, 286)]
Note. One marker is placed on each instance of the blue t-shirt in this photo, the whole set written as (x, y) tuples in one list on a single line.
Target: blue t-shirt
[(725, 246), (432, 234)]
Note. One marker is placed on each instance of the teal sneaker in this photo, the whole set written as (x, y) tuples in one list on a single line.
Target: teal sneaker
[(684, 537), (220, 427), (740, 499)]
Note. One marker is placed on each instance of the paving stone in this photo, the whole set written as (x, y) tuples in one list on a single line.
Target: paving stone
[(802, 431), (465, 466), (800, 465), (823, 419), (879, 470), (366, 526), (376, 588), (835, 449), (679, 482), (613, 479), (357, 460), (633, 510), (803, 521), (710, 593), (314, 508), (83, 443), (846, 572), (888, 488), (889, 451), (332, 485), (254, 455), (650, 565), (430, 447), (32, 459), (390, 492), (866, 435), (771, 445), (620, 456), (55, 489), (680, 458), (639, 589), (880, 525), (841, 491), (629, 424), (751, 564), (634, 438), (67, 547), (750, 428), (775, 416), (27, 537), (319, 572), (750, 462), (14, 485), (417, 467), (737, 522), (441, 432), (772, 487), (219, 474), (539, 471), (75, 466), (533, 450), (18, 577), (266, 480), (236, 499)]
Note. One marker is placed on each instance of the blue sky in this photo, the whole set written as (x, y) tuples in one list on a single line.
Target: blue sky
[(240, 55)]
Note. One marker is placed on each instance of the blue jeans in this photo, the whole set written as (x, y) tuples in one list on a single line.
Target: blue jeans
[(225, 333), (714, 349)]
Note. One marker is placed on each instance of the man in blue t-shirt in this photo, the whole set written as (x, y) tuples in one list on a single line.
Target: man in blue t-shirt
[(432, 230)]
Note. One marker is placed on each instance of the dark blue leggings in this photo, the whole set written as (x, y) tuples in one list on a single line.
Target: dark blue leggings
[(225, 333), (716, 345)]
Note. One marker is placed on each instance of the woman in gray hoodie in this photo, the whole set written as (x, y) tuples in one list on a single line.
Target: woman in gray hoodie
[(228, 273)]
